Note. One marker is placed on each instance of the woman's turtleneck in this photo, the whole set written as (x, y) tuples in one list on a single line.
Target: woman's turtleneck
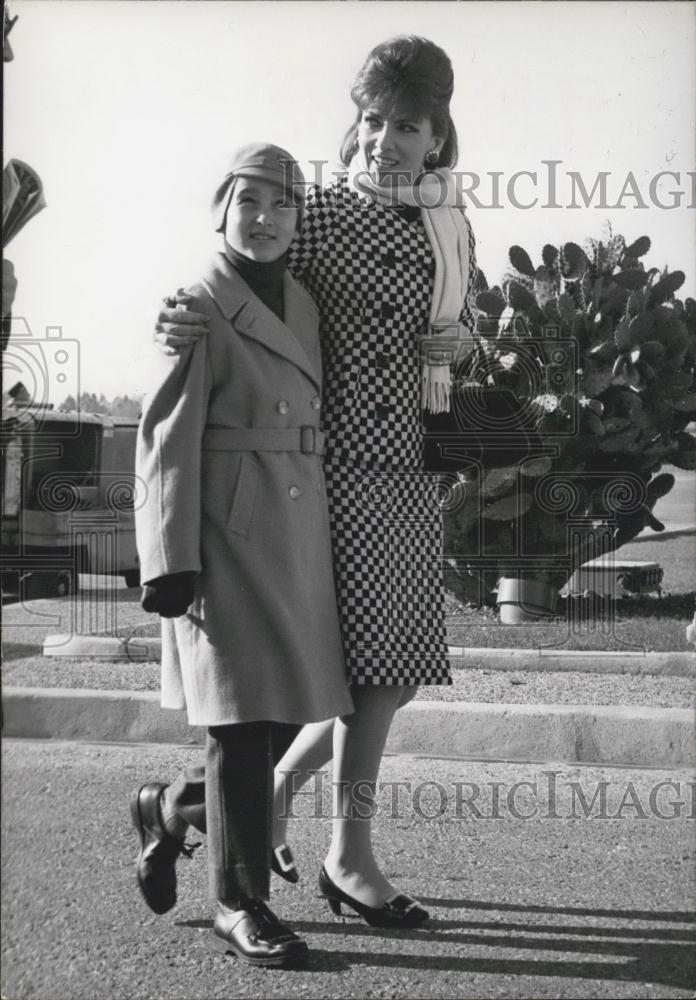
[(264, 278)]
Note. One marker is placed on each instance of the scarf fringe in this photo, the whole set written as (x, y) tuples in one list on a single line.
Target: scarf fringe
[(436, 388)]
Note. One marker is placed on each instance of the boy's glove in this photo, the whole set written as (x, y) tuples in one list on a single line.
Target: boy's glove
[(168, 596)]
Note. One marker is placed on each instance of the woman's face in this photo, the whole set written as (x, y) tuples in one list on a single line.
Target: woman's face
[(394, 144), (261, 222)]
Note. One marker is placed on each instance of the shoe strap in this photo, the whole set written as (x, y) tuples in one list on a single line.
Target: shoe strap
[(261, 912), (188, 849), (264, 916)]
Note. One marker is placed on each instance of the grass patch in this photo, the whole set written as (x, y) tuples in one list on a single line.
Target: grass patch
[(629, 624)]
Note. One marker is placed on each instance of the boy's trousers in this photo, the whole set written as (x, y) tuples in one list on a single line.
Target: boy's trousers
[(231, 799)]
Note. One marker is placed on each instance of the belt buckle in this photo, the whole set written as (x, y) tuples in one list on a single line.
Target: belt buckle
[(308, 439)]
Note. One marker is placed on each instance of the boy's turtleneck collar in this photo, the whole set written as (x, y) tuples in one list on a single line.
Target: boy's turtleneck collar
[(265, 278), (411, 213)]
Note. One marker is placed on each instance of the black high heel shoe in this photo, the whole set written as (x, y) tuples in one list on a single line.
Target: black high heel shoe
[(397, 911), (283, 864)]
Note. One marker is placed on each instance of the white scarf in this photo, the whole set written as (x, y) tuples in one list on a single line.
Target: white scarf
[(446, 227)]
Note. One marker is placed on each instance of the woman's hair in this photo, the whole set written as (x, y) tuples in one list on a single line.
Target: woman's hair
[(407, 72)]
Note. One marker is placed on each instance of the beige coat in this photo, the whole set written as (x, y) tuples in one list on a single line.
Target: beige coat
[(261, 639)]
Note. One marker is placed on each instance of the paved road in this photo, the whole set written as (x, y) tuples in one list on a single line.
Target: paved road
[(540, 907)]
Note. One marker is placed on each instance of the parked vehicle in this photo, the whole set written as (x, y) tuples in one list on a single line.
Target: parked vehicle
[(68, 499)]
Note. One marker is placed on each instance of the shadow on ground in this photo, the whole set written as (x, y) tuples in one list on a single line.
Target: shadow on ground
[(665, 954)]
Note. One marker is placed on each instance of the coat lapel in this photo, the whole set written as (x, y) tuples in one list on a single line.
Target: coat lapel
[(302, 317), (293, 340)]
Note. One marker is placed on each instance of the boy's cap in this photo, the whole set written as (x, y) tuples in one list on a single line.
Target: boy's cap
[(258, 159), (263, 159)]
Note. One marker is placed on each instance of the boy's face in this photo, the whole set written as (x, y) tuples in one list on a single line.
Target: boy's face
[(261, 221)]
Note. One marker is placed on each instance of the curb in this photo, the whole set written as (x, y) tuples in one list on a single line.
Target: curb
[(610, 734), (103, 647), (601, 734), (86, 714), (674, 664)]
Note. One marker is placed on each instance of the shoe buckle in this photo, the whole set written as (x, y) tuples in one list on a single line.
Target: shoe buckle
[(284, 858)]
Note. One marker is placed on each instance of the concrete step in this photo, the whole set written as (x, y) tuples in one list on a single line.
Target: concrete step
[(602, 734)]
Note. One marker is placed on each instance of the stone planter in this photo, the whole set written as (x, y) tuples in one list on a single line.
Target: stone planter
[(525, 600)]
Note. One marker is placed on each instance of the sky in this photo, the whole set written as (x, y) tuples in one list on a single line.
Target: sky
[(129, 109)]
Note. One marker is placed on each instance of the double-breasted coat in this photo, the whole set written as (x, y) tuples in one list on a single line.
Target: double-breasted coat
[(229, 452)]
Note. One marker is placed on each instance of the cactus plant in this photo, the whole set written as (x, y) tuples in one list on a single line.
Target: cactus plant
[(606, 428)]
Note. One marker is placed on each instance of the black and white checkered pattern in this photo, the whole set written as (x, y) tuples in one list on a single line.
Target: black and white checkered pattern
[(386, 531), (370, 273)]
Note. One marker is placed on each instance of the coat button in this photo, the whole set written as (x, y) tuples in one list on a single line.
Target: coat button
[(294, 492), (316, 403), (381, 360), (283, 406), (382, 411), (387, 311)]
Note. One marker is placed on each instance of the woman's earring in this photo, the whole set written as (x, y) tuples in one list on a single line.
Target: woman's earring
[(431, 158)]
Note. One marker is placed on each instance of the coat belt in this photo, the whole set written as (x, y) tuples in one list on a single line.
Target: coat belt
[(307, 439)]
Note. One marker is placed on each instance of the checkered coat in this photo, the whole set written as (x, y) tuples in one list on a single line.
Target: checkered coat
[(370, 273), (261, 639)]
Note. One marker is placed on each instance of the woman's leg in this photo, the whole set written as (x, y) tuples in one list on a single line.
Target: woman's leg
[(311, 750), (408, 694), (358, 746)]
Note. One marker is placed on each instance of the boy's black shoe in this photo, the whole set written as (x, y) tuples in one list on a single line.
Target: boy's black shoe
[(155, 867), (257, 936)]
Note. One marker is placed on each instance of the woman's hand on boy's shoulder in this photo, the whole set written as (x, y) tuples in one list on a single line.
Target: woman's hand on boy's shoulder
[(178, 326)]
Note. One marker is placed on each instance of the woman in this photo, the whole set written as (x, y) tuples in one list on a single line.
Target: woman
[(236, 531), (383, 272)]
